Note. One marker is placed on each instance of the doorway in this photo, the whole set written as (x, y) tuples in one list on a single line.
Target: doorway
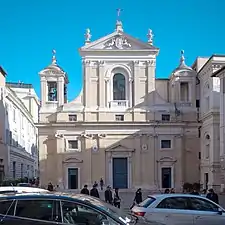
[(73, 178), (166, 177), (120, 173)]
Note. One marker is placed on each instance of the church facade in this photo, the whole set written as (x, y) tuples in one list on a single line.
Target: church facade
[(126, 126)]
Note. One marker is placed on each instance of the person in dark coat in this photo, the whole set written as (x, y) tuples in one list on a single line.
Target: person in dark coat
[(50, 187), (101, 183), (85, 190), (167, 191), (213, 196), (94, 191), (195, 192), (138, 196), (108, 195), (116, 200)]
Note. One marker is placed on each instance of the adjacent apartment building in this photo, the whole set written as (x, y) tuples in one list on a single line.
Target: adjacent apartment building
[(19, 137)]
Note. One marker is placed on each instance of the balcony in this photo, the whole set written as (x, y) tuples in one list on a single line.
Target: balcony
[(118, 104)]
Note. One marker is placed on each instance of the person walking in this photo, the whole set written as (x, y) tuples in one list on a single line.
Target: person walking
[(101, 183), (213, 196), (108, 195), (116, 200), (50, 187), (85, 190), (94, 192)]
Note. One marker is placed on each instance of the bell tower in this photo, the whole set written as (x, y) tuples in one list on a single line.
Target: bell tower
[(53, 85)]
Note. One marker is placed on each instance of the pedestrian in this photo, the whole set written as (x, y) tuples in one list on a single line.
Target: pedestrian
[(138, 196), (172, 191), (85, 190), (108, 195), (194, 192), (101, 183), (213, 196), (167, 191), (116, 199), (94, 191), (50, 187)]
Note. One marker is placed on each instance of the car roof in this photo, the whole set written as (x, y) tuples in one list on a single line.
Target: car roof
[(162, 196), (52, 195)]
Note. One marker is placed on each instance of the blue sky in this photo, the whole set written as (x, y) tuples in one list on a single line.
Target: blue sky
[(31, 29)]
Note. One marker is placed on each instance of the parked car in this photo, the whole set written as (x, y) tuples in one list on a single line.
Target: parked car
[(15, 190), (180, 209), (44, 209)]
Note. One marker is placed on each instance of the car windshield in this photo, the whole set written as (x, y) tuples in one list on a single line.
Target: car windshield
[(115, 212)]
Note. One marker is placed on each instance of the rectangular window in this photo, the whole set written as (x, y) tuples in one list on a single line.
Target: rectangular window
[(14, 170), (197, 103), (119, 117), (73, 144), (52, 91), (14, 114), (207, 151), (165, 117), (21, 172), (199, 155), (36, 210), (184, 91), (165, 144), (72, 118), (223, 84)]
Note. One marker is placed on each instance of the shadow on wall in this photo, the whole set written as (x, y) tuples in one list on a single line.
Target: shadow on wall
[(4, 151)]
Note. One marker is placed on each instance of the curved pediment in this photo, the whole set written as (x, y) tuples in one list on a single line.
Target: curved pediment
[(72, 160), (167, 159)]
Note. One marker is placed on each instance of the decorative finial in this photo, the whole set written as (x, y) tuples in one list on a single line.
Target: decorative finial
[(88, 36), (182, 58), (54, 61), (119, 25), (150, 36)]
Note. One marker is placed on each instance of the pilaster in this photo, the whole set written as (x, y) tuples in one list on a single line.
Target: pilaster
[(101, 91), (43, 91), (60, 91)]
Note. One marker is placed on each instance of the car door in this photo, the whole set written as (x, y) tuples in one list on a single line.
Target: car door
[(35, 212), (206, 212), (7, 211), (174, 211), (81, 214)]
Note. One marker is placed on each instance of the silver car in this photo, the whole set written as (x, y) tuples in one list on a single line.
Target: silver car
[(180, 209)]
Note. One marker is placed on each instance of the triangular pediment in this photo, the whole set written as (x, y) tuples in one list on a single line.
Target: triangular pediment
[(72, 160), (119, 148), (118, 41)]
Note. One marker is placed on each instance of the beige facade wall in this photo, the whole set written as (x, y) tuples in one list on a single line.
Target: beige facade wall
[(153, 112)]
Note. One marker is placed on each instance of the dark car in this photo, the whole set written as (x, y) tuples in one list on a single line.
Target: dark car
[(43, 209)]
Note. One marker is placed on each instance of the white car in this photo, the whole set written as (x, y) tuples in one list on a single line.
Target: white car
[(18, 190), (180, 209)]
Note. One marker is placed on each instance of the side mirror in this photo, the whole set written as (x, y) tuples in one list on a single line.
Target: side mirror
[(220, 211)]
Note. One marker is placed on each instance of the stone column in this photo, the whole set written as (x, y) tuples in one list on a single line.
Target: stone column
[(136, 81), (151, 76), (60, 91), (107, 92), (130, 92), (87, 82), (44, 91), (101, 80)]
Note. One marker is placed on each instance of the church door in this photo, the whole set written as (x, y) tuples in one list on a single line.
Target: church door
[(72, 178), (120, 173), (166, 177)]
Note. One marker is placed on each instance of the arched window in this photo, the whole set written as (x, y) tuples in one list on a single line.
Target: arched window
[(119, 87)]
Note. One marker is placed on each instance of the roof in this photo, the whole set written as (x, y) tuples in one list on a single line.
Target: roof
[(217, 55), (218, 71), (18, 85), (2, 71)]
